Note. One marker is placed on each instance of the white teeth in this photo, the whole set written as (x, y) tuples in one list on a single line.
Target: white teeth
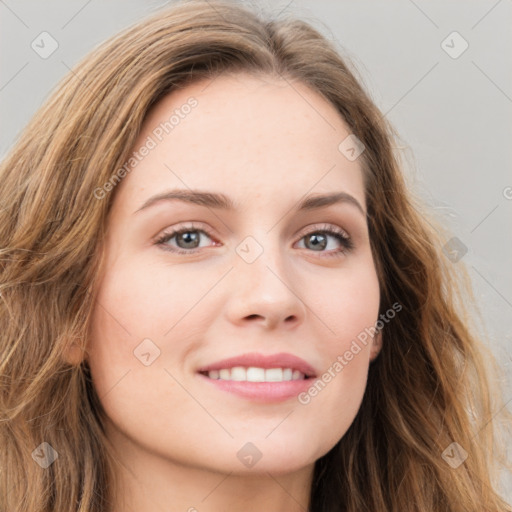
[(274, 375), (225, 374), (255, 374), (238, 373), (296, 375)]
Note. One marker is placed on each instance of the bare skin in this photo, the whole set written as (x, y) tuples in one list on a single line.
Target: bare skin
[(181, 439)]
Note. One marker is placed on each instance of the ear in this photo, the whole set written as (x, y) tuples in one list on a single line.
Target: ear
[(74, 354), (376, 346)]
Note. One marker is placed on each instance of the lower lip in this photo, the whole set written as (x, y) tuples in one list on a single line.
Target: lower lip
[(262, 391)]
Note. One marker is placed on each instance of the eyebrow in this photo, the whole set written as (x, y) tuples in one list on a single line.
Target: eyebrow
[(220, 201)]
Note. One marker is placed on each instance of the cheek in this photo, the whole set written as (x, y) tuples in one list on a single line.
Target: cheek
[(350, 312), (144, 313), (347, 303), (129, 355), (140, 299), (146, 298), (332, 401)]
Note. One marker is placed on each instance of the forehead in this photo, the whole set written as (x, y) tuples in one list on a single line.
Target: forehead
[(256, 136)]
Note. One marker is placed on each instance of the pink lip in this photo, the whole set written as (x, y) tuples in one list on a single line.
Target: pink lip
[(262, 391), (281, 360)]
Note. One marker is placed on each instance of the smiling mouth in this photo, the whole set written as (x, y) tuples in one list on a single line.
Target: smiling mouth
[(255, 374)]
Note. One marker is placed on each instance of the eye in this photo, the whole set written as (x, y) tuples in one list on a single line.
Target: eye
[(188, 239), (319, 239)]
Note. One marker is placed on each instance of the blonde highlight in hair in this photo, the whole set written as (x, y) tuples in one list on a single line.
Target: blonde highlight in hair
[(429, 387)]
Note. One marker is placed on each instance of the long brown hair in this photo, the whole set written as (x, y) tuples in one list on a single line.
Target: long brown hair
[(428, 388)]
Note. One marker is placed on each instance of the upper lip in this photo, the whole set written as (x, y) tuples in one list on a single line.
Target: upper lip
[(280, 360)]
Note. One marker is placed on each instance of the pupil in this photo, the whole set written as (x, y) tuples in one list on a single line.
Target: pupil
[(316, 243), (188, 239)]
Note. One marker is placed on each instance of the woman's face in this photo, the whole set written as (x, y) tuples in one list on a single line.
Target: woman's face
[(259, 285)]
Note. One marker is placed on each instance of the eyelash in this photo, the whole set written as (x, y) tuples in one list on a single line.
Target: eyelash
[(339, 234)]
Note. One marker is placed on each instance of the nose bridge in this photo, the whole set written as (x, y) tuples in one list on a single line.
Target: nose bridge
[(264, 280), (263, 256)]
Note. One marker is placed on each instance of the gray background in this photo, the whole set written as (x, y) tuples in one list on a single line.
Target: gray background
[(453, 114)]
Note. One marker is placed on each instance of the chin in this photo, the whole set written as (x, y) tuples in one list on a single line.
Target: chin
[(262, 456)]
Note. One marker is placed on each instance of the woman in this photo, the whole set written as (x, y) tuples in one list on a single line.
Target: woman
[(234, 302)]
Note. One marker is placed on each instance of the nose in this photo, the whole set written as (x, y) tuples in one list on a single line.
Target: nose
[(264, 294)]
